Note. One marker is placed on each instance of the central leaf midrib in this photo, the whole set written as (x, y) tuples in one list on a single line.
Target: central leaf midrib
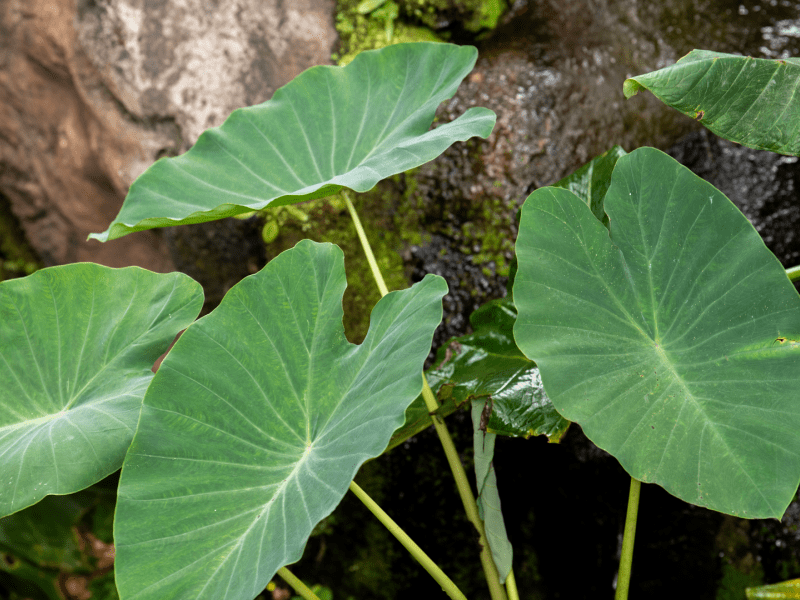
[(666, 363)]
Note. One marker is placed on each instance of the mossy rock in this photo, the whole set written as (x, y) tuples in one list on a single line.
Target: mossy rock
[(17, 258), (362, 27)]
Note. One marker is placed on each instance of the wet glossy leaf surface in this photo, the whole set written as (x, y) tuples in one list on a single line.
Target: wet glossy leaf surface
[(750, 101), (673, 338), (257, 421), (78, 344), (329, 128), (483, 364)]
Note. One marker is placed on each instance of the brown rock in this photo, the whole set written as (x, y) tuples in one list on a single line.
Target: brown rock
[(93, 91)]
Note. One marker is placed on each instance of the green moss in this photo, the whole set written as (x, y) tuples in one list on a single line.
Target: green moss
[(740, 569), (476, 15), (408, 21), (734, 582), (358, 32), (17, 259), (327, 220)]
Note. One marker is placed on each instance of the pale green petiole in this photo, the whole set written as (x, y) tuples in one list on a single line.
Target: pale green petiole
[(511, 586), (462, 483), (301, 588), (423, 559), (373, 264), (625, 561)]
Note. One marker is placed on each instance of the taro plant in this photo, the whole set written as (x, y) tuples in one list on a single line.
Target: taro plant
[(660, 322), (259, 417)]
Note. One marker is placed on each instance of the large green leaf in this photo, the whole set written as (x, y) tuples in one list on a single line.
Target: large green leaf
[(671, 338), (78, 342), (256, 423), (750, 101), (331, 127)]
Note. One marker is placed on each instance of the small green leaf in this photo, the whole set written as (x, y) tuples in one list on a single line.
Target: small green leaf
[(672, 338), (750, 101), (78, 345), (329, 128), (483, 364), (256, 423), (367, 6), (488, 497)]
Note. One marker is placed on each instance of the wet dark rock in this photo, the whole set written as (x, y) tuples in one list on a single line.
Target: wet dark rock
[(217, 254), (763, 185), (553, 74), (470, 287), (92, 92)]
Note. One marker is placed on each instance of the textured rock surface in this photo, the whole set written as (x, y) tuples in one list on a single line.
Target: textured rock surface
[(763, 185), (93, 91)]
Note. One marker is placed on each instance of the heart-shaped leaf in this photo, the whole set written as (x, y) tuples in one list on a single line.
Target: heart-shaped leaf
[(329, 128), (750, 101), (256, 423), (672, 338), (78, 342)]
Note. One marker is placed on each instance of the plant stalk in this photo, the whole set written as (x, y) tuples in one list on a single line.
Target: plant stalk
[(423, 559), (462, 483), (793, 273), (511, 586), (362, 236), (465, 492), (625, 561), (301, 588)]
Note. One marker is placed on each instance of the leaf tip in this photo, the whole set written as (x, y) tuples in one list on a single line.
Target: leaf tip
[(100, 237), (631, 87)]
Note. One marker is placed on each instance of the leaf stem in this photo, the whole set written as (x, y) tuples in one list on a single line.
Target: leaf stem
[(362, 236), (299, 587), (625, 561), (511, 586), (423, 559), (793, 273), (462, 483), (465, 491)]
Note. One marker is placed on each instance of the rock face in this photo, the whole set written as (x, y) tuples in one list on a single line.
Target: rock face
[(93, 91)]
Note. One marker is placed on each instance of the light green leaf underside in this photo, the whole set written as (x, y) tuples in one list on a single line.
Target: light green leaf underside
[(329, 128), (78, 342), (750, 101), (256, 423), (785, 590), (488, 497), (672, 340)]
